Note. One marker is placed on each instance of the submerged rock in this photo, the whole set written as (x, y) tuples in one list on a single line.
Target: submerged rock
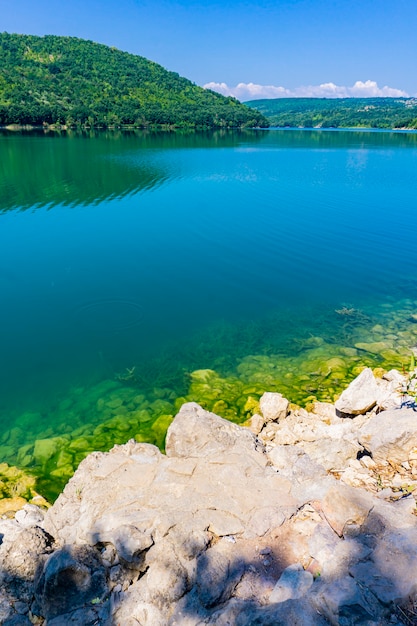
[(16, 483), (375, 347)]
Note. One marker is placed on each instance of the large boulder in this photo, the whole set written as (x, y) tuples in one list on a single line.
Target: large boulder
[(345, 507), (198, 433), (390, 435), (360, 396)]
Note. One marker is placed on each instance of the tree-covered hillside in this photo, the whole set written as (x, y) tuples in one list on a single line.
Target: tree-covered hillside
[(339, 112), (65, 80)]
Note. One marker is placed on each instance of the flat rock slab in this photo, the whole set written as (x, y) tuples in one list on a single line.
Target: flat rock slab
[(215, 470)]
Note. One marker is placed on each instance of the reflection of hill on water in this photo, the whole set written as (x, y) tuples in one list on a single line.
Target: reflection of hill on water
[(73, 168), (40, 168)]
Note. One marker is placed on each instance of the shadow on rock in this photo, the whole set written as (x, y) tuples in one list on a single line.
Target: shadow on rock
[(359, 575), (70, 579)]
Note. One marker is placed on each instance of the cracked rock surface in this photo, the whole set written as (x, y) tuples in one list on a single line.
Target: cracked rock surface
[(228, 527)]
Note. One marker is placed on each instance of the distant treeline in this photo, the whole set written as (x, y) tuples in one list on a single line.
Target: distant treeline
[(74, 82), (339, 112)]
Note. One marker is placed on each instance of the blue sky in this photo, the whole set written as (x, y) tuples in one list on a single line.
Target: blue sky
[(248, 48)]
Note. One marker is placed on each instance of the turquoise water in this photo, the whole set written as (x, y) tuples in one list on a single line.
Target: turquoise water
[(131, 260)]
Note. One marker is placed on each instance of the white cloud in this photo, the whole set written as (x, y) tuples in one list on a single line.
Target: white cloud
[(219, 87), (252, 91), (370, 88)]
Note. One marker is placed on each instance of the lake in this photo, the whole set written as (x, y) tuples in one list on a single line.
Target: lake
[(139, 270)]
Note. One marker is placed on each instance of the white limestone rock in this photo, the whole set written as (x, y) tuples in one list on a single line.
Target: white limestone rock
[(274, 407), (390, 435), (389, 390), (293, 584), (198, 433), (326, 410), (332, 454), (294, 462), (360, 396), (345, 506), (256, 423), (299, 612), (333, 556), (71, 578), (30, 515), (201, 535), (132, 610), (129, 540), (166, 579), (297, 427)]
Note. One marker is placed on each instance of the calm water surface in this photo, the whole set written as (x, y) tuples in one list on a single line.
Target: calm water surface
[(170, 253)]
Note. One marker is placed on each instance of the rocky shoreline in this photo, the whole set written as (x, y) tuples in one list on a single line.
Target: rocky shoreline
[(48, 440), (298, 517)]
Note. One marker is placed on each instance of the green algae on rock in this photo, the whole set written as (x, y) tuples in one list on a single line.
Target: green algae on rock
[(17, 488)]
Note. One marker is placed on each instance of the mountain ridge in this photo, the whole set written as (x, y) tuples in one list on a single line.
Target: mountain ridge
[(339, 112)]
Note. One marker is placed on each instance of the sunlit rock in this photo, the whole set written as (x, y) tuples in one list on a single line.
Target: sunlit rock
[(344, 507), (390, 435), (360, 396), (274, 407), (195, 432), (256, 423)]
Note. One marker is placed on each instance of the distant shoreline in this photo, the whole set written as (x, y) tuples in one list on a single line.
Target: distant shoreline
[(166, 128), (373, 113), (347, 129)]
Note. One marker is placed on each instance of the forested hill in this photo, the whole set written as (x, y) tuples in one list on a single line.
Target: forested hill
[(339, 112), (65, 80)]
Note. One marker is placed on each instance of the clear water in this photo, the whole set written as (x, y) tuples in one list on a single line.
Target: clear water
[(128, 261)]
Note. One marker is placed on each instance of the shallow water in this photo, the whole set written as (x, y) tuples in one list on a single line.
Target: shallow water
[(129, 261)]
